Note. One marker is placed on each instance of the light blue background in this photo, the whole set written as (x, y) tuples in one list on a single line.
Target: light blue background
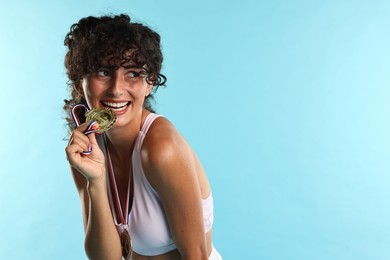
[(285, 102)]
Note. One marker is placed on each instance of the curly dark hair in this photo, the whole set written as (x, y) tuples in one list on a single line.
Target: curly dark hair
[(115, 40)]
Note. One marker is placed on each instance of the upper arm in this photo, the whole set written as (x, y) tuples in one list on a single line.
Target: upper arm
[(81, 186), (170, 168)]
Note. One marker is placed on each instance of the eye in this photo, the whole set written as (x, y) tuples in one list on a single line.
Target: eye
[(133, 74), (103, 73)]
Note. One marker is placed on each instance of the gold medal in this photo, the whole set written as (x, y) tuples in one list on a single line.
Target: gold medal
[(126, 245), (105, 117)]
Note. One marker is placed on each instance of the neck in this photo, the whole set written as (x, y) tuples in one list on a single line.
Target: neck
[(121, 140)]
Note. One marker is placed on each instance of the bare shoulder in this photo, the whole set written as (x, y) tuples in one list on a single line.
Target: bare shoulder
[(162, 142), (170, 166), (164, 152)]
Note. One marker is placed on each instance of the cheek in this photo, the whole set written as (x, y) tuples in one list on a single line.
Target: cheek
[(93, 89), (140, 91), (89, 94), (92, 94)]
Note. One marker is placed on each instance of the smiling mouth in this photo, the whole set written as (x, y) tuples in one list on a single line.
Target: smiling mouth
[(116, 106)]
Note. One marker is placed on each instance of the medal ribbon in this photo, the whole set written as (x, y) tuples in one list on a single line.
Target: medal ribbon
[(123, 215), (77, 123)]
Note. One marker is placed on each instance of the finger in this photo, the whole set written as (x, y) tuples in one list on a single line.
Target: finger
[(83, 127), (93, 144), (79, 138), (92, 139), (83, 132), (92, 127), (73, 151), (73, 148)]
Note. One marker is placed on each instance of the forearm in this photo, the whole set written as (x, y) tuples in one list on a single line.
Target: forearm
[(101, 239), (190, 248), (194, 254)]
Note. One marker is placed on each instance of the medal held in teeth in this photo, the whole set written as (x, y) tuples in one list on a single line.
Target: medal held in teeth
[(105, 117)]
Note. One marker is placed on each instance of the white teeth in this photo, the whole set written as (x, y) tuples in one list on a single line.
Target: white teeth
[(115, 105)]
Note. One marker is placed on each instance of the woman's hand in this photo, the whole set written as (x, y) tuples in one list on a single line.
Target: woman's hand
[(92, 166)]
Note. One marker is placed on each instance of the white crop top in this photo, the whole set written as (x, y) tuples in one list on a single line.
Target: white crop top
[(148, 227)]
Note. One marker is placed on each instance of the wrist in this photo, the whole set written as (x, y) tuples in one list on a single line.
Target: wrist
[(97, 181)]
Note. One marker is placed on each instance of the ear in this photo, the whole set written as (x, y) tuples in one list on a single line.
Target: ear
[(148, 90)]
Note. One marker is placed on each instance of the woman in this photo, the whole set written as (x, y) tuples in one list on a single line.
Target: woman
[(140, 180)]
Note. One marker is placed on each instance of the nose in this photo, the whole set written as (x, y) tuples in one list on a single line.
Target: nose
[(117, 84)]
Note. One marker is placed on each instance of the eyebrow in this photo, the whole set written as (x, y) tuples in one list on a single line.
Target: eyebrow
[(132, 67), (141, 69)]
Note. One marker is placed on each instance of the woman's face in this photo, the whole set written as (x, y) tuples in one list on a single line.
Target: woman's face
[(123, 90)]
